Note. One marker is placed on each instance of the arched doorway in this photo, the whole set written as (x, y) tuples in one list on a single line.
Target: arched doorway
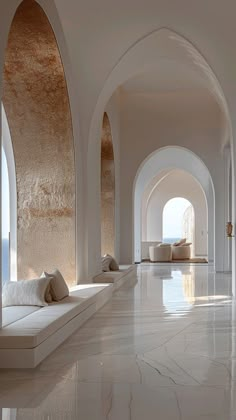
[(175, 187), (166, 160), (107, 190), (37, 107)]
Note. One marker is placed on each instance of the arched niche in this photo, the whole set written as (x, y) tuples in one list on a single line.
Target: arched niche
[(37, 107), (169, 158), (107, 190)]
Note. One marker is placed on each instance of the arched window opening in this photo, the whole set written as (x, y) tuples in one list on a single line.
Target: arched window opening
[(178, 220), (107, 190), (37, 107), (5, 221)]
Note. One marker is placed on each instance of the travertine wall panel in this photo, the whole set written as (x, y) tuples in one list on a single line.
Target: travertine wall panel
[(107, 190), (38, 111)]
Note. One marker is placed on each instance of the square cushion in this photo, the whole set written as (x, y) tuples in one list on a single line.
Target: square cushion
[(25, 292), (58, 287)]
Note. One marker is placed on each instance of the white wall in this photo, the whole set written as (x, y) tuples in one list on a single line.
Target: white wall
[(177, 184)]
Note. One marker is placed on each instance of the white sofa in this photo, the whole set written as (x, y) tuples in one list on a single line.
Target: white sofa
[(31, 333), (160, 253), (181, 252), (145, 248)]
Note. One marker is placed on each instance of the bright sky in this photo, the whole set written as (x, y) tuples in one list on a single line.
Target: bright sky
[(5, 197), (173, 216)]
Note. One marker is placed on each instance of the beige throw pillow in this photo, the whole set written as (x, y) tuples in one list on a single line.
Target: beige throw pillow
[(25, 292), (113, 264), (48, 295), (58, 287), (106, 261), (180, 242)]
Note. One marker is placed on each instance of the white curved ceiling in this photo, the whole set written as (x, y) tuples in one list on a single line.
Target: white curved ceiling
[(175, 64), (169, 75)]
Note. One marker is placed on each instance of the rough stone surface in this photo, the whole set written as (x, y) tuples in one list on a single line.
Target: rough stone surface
[(38, 111), (107, 190)]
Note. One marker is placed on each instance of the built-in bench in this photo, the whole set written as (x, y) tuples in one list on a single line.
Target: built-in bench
[(31, 333), (118, 278)]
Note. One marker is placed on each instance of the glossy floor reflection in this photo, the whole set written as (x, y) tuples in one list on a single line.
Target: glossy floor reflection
[(163, 348)]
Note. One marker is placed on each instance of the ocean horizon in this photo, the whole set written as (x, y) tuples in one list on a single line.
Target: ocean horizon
[(170, 240)]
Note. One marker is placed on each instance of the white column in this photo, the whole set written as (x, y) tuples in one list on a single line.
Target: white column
[(1, 218), (227, 212)]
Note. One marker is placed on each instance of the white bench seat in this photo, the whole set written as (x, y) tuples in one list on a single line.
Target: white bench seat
[(31, 333), (118, 278)]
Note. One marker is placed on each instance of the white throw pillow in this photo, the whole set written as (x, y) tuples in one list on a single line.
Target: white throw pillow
[(58, 287), (25, 292), (106, 261), (113, 264)]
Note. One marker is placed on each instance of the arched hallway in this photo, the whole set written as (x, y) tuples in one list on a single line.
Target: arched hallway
[(108, 111)]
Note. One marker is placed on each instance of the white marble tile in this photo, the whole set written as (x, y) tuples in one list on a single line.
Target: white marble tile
[(163, 348)]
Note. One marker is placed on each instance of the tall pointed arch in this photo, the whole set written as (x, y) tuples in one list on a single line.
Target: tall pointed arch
[(37, 106)]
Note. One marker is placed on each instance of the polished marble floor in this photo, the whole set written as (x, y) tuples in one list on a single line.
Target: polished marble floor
[(164, 348)]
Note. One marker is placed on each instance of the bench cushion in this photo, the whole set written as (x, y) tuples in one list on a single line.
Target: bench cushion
[(11, 314)]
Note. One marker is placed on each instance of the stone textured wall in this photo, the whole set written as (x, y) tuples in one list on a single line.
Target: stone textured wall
[(107, 190), (38, 112)]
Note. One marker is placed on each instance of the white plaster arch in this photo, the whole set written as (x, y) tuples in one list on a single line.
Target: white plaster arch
[(143, 55), (168, 158), (146, 197), (8, 149)]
